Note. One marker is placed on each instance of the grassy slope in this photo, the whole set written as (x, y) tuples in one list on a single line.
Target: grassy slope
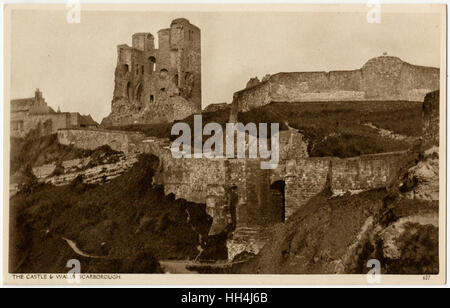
[(36, 150), (129, 215), (329, 228), (332, 130)]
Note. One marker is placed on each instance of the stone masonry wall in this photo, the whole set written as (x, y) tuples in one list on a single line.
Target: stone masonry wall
[(380, 79), (127, 142), (155, 85), (309, 176), (194, 179), (366, 171), (31, 121), (254, 210), (304, 179)]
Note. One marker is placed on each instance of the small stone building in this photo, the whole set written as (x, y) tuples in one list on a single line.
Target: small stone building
[(27, 113)]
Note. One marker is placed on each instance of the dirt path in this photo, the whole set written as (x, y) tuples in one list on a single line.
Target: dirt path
[(168, 266), (390, 134), (77, 250)]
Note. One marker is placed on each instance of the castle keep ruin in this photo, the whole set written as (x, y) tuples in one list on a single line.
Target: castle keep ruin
[(245, 201), (154, 85), (161, 85)]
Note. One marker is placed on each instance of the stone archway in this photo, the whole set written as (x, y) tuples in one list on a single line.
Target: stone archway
[(278, 202)]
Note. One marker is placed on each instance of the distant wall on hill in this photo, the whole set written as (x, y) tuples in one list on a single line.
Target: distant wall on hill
[(239, 195), (381, 78)]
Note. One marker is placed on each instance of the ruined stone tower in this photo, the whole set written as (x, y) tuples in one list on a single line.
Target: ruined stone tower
[(158, 85)]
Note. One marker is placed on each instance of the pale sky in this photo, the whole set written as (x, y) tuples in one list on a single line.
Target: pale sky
[(73, 64)]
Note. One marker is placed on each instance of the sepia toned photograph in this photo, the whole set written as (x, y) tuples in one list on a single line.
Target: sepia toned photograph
[(303, 142)]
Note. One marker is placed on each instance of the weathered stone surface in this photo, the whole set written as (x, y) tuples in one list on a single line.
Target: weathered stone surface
[(425, 177), (241, 197), (249, 240), (96, 175), (126, 142), (430, 114), (28, 113), (339, 235), (391, 236), (382, 78), (422, 180), (367, 171), (252, 82), (216, 107), (306, 177), (292, 145), (158, 85)]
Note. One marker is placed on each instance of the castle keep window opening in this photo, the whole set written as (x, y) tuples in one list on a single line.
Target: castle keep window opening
[(152, 62)]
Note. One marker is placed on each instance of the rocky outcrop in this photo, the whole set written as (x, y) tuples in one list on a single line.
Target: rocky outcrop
[(167, 109), (338, 235), (96, 175), (423, 179), (104, 221), (78, 168), (252, 82), (430, 114), (102, 165), (89, 139)]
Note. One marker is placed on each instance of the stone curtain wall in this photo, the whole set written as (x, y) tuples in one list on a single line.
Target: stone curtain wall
[(190, 178), (366, 171), (304, 179), (127, 142), (382, 78), (362, 106), (255, 208), (253, 97), (316, 86), (196, 180), (307, 177)]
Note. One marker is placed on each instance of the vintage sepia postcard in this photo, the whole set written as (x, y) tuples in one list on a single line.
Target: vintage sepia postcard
[(250, 144)]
